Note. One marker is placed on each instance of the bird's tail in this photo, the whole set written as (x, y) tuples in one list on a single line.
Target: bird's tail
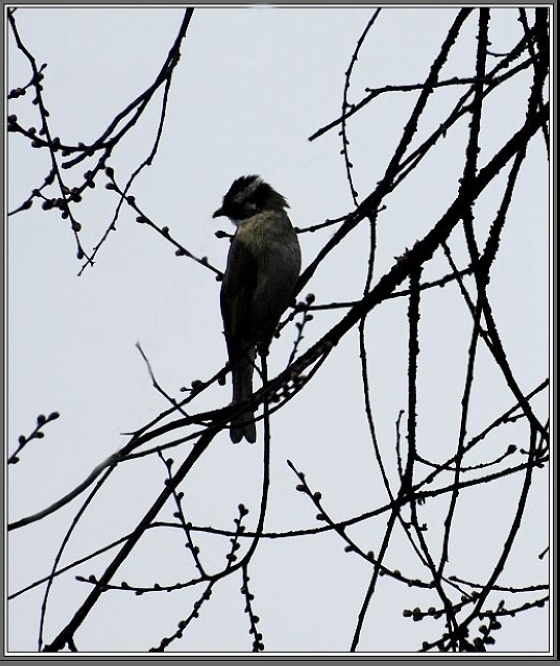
[(243, 425)]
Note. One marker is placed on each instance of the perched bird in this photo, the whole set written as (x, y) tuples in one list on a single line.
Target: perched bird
[(262, 269)]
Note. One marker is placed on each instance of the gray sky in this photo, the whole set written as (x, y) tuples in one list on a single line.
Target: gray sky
[(252, 85)]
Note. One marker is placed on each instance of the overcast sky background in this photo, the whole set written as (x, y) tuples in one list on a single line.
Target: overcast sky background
[(252, 85)]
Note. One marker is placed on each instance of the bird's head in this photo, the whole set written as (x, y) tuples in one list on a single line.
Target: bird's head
[(247, 196)]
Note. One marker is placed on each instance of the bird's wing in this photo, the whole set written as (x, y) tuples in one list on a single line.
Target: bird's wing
[(238, 288)]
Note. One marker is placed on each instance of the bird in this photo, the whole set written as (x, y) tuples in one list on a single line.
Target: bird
[(262, 269)]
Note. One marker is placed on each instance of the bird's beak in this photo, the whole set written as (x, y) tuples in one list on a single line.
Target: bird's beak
[(219, 213)]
